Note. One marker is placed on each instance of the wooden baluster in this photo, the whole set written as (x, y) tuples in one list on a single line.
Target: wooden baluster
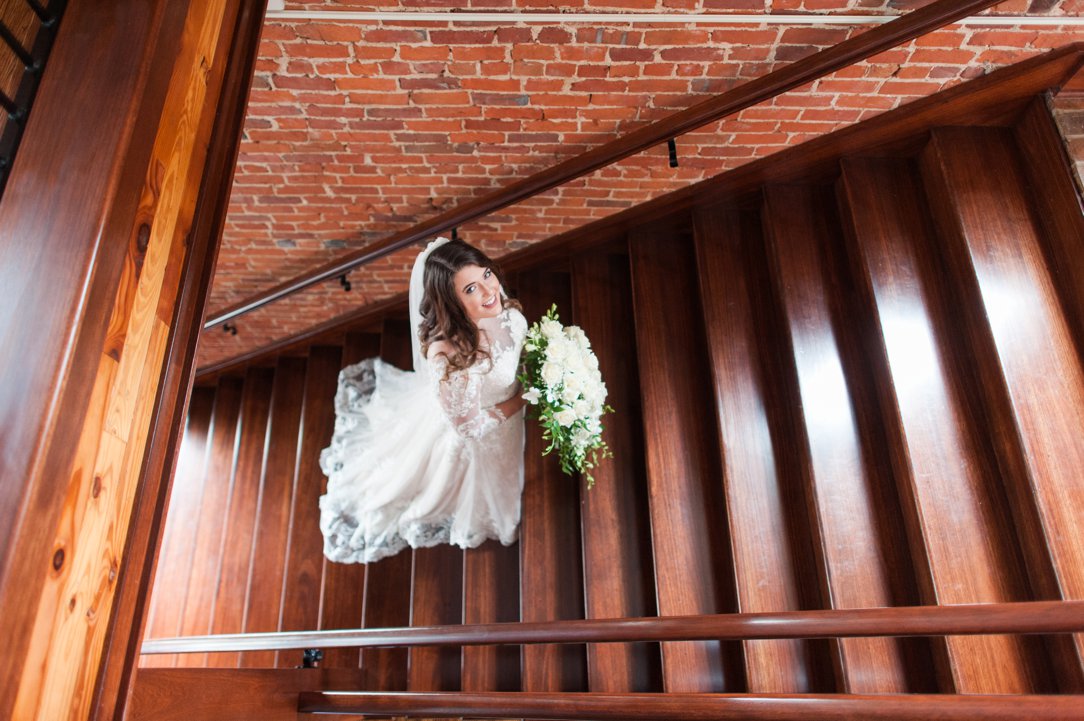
[(175, 558), (550, 557), (855, 514), (436, 600), (210, 530), (305, 560), (1032, 383), (768, 527), (960, 532), (387, 582), (342, 603), (688, 514), (232, 587), (618, 573), (273, 508)]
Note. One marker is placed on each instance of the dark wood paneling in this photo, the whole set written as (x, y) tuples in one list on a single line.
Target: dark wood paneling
[(232, 586), (263, 602), (387, 582), (956, 516), (688, 514), (343, 596), (236, 695), (618, 573), (305, 565), (1032, 383), (436, 598), (855, 515), (210, 529), (551, 579), (761, 504), (491, 595), (175, 564)]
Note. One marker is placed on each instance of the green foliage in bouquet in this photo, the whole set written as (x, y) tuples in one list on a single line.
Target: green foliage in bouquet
[(562, 382)]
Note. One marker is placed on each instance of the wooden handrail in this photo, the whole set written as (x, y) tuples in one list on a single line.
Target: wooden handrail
[(1023, 617), (850, 51), (747, 707)]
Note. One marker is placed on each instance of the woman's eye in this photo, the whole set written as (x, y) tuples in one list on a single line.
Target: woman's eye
[(488, 273), (470, 289)]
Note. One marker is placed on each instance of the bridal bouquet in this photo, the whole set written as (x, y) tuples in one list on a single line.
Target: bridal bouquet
[(563, 383)]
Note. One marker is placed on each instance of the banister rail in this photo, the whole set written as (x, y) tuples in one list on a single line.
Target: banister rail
[(702, 707), (1022, 617), (884, 37)]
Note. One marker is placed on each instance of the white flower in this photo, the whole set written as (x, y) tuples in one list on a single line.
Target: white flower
[(551, 373), (582, 408), (532, 396), (551, 329), (565, 417), (569, 395)]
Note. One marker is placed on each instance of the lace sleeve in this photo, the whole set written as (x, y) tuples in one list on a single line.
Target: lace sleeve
[(460, 397)]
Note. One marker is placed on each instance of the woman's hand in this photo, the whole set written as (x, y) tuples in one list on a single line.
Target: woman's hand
[(512, 405)]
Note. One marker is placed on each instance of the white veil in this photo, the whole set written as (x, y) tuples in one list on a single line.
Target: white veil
[(417, 291)]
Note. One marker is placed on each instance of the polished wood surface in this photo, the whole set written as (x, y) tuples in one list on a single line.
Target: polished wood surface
[(788, 77), (343, 596), (304, 575), (551, 576), (237, 695), (860, 542), (491, 595), (616, 526), (272, 532), (436, 598), (233, 576), (766, 545), (957, 518), (206, 559), (1032, 380), (720, 707), (1027, 617), (688, 512)]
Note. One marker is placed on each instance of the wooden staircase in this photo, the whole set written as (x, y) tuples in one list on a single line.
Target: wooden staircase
[(858, 388)]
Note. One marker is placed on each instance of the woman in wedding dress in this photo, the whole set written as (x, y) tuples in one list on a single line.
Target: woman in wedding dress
[(434, 455)]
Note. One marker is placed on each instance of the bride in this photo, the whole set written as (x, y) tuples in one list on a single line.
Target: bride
[(434, 455)]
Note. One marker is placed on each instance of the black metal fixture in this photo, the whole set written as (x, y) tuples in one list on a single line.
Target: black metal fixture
[(229, 328), (672, 145), (345, 283), (455, 233), (311, 658)]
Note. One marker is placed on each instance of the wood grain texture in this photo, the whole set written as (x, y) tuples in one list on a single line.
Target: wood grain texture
[(343, 595), (263, 609), (232, 584), (387, 582), (436, 598), (237, 695), (765, 543), (491, 595), (615, 519), (688, 513), (861, 544), (209, 529), (305, 562), (1032, 383), (178, 545), (551, 576), (956, 515)]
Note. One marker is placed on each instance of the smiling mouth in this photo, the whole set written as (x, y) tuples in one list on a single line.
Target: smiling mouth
[(490, 303)]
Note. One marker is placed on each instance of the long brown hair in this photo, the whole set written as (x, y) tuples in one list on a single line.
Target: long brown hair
[(443, 316)]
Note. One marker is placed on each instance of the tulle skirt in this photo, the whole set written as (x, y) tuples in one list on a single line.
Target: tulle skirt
[(400, 475)]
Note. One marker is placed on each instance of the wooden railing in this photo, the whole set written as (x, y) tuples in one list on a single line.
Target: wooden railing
[(702, 707), (975, 619), (853, 50)]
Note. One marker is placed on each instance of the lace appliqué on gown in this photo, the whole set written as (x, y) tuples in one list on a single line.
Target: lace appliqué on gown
[(417, 465)]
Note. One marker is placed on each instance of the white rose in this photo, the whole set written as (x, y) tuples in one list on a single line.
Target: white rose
[(581, 437), (565, 417), (550, 328), (558, 350), (582, 408), (575, 334), (569, 395), (551, 373), (591, 361)]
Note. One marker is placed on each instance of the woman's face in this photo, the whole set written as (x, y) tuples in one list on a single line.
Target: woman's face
[(478, 291)]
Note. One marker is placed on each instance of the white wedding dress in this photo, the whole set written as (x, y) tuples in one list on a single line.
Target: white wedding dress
[(418, 462)]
